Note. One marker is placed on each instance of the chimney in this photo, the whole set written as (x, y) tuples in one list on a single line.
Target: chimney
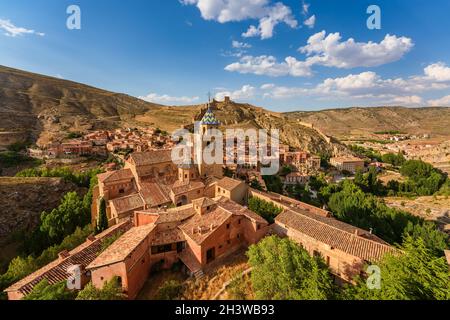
[(371, 230), (356, 232)]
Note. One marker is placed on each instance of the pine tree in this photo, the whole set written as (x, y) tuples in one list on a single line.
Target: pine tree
[(102, 222)]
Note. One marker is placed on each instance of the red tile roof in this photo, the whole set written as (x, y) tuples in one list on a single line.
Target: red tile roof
[(123, 246), (200, 227), (334, 233), (237, 209), (229, 183), (151, 157), (180, 187), (56, 271), (171, 215), (161, 237), (127, 203), (154, 193), (117, 175)]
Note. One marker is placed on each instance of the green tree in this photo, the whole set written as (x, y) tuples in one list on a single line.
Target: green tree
[(170, 290), (366, 211), (64, 220), (273, 184), (415, 274), (102, 223), (395, 159), (265, 209), (283, 270), (369, 182), (111, 290), (45, 291), (435, 240)]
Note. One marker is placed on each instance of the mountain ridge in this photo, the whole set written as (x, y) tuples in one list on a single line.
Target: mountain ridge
[(43, 109)]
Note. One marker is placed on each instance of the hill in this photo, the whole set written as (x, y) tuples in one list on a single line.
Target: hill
[(40, 107), (354, 122), (45, 109)]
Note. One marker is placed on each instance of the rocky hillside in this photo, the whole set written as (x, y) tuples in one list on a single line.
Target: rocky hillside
[(42, 107), (245, 116), (343, 123), (45, 109), (23, 200)]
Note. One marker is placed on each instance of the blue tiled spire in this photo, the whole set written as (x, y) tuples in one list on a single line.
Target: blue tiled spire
[(209, 118)]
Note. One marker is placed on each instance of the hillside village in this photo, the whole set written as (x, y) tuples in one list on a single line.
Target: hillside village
[(163, 214), (135, 219)]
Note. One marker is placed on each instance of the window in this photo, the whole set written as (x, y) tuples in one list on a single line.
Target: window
[(238, 235), (228, 226), (121, 190), (239, 221), (185, 176), (258, 226), (162, 249), (228, 241)]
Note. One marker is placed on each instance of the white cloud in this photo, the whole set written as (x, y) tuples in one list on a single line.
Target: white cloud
[(332, 52), (267, 86), (442, 102), (240, 45), (246, 92), (166, 99), (13, 31), (438, 71), (224, 11), (305, 8), (329, 50), (310, 22), (406, 101), (276, 14), (371, 87), (268, 65)]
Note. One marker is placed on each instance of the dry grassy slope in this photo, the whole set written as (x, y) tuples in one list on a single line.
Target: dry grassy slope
[(244, 116), (363, 121), (46, 106), (49, 107)]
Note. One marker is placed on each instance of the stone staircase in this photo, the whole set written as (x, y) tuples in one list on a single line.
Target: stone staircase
[(188, 258), (198, 274)]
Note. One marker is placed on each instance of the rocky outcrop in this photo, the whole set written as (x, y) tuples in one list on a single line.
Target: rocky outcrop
[(23, 200)]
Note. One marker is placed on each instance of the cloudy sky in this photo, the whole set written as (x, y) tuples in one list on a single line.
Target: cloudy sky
[(283, 55)]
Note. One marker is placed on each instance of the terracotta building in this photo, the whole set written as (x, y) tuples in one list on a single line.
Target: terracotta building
[(152, 180), (58, 270), (194, 235), (346, 249), (350, 164)]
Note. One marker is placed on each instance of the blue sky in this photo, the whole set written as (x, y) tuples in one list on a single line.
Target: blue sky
[(283, 55)]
